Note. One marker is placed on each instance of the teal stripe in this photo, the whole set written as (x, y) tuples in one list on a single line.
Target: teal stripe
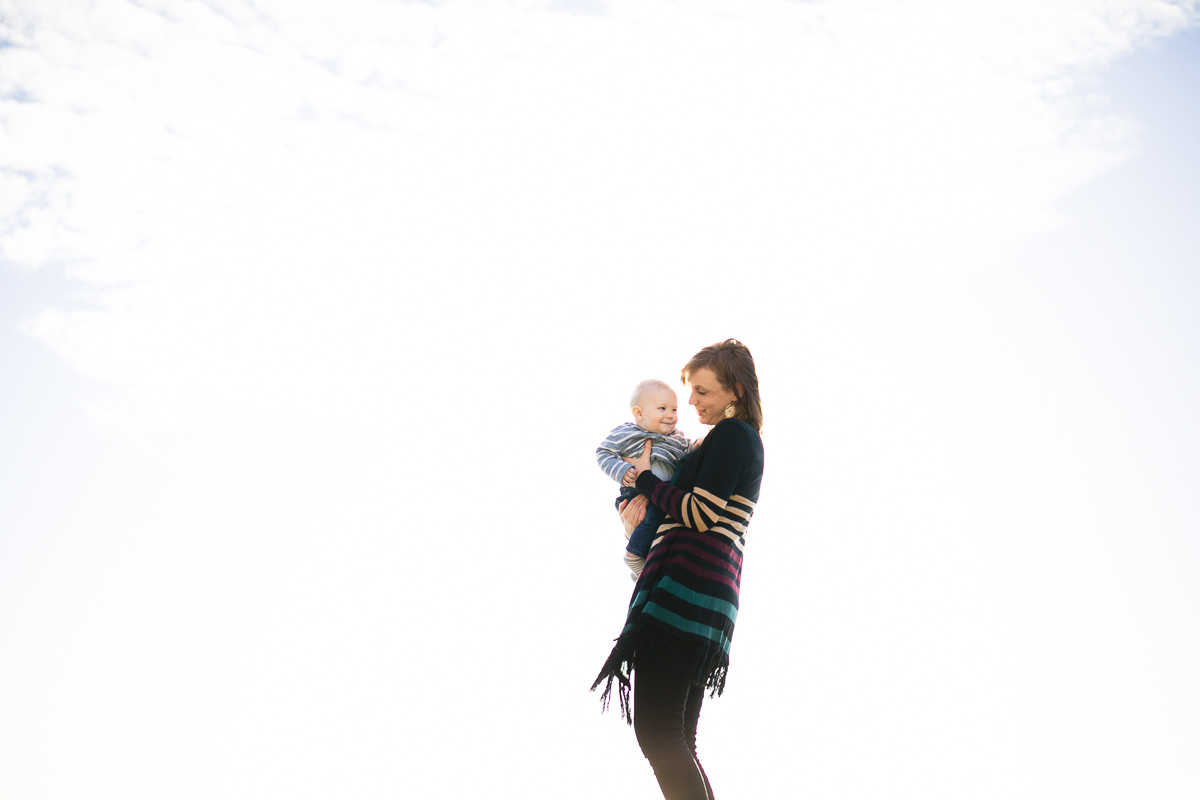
[(695, 598), (634, 607), (676, 621)]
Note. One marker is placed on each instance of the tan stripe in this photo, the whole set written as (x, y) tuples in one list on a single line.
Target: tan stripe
[(737, 526), (729, 528), (737, 498), (712, 498), (732, 509), (733, 537)]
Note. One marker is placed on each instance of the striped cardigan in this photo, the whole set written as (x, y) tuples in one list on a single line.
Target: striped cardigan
[(689, 586)]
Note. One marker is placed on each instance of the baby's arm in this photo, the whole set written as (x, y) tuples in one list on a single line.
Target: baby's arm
[(613, 466), (608, 455)]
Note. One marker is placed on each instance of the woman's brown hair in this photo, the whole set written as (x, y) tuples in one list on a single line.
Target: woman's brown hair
[(732, 364)]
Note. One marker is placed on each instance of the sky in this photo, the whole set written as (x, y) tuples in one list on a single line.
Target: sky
[(312, 316)]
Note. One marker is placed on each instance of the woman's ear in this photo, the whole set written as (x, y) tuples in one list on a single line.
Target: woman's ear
[(739, 390)]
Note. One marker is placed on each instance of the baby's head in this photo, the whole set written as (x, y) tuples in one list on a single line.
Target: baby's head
[(654, 406)]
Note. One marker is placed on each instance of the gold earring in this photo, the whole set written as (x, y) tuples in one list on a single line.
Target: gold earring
[(729, 411)]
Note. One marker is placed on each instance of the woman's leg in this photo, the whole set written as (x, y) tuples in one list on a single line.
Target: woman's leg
[(666, 710), (691, 720)]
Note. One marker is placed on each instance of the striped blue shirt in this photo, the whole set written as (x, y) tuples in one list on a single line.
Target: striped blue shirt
[(627, 439)]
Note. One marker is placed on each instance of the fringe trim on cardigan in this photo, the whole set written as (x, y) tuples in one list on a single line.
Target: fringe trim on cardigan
[(709, 665)]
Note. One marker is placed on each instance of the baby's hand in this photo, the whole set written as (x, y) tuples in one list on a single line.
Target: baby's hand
[(630, 477)]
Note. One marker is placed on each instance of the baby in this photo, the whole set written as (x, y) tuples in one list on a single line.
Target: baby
[(654, 408)]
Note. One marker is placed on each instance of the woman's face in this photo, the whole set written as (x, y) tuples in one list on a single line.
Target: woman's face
[(708, 396)]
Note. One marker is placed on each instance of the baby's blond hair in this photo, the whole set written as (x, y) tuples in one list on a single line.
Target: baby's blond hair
[(648, 385)]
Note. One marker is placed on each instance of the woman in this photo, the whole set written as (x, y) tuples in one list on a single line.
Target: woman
[(677, 632)]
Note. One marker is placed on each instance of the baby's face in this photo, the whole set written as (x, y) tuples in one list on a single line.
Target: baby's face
[(657, 411)]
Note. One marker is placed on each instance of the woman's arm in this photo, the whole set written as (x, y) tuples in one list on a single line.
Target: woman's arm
[(729, 454)]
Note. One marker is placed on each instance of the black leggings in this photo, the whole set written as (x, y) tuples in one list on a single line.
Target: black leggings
[(666, 709)]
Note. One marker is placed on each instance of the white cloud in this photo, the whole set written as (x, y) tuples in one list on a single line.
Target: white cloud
[(186, 142)]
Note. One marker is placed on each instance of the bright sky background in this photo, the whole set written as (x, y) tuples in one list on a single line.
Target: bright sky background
[(312, 315)]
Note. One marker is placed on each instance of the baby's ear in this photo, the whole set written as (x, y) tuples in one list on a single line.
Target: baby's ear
[(637, 413)]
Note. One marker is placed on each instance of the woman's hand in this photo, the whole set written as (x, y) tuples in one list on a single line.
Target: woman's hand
[(642, 463), (632, 512)]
